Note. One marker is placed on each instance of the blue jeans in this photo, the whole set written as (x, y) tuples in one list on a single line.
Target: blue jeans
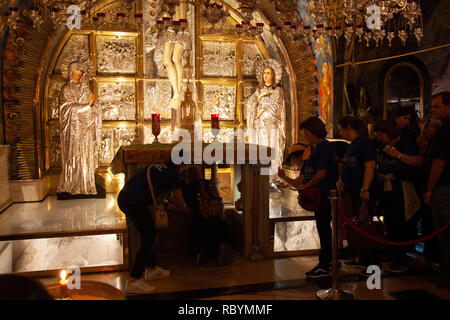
[(440, 207)]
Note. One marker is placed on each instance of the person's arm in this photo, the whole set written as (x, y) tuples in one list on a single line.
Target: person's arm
[(415, 161), (293, 182), (369, 171), (437, 168), (319, 176)]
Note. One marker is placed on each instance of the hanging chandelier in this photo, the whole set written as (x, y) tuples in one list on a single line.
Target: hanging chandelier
[(56, 12), (373, 21), (364, 20)]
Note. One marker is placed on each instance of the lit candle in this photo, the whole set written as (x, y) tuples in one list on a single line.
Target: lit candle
[(63, 283)]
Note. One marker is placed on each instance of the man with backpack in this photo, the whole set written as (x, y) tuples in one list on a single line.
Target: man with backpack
[(209, 230)]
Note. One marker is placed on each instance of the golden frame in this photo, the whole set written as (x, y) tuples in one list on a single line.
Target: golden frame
[(239, 80)]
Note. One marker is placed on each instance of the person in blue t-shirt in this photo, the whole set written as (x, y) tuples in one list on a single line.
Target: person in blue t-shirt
[(134, 200), (398, 160), (319, 171), (356, 178)]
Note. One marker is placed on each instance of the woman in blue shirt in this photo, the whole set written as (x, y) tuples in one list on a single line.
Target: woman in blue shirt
[(319, 171), (397, 162)]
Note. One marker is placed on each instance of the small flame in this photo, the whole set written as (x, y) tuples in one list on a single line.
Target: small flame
[(63, 275)]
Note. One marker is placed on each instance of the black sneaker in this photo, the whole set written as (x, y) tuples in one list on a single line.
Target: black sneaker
[(317, 272)]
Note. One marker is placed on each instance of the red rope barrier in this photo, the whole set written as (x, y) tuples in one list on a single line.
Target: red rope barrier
[(392, 243)]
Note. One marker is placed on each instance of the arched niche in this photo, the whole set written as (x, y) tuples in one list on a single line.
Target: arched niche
[(139, 83)]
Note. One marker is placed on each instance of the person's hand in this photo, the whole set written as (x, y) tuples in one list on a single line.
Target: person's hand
[(281, 173), (392, 152), (92, 100), (427, 197), (364, 195)]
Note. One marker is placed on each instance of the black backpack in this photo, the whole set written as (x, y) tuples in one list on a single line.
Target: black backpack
[(210, 202)]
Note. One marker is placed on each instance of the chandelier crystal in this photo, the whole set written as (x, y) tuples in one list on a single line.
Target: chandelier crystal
[(375, 20)]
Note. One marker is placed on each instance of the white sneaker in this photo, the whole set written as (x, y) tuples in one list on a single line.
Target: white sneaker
[(139, 286), (156, 273)]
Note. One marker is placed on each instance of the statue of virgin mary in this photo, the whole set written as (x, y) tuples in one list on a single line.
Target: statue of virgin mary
[(80, 131), (266, 112)]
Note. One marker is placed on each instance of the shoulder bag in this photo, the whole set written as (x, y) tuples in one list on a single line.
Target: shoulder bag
[(160, 214)]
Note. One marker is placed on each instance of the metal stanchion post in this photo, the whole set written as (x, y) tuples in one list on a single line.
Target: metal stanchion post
[(334, 293)]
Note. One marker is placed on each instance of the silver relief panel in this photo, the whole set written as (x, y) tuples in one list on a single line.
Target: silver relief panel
[(156, 99), (112, 139), (78, 43), (117, 100), (53, 98), (252, 55), (219, 59), (248, 91), (226, 135), (116, 55), (219, 99), (165, 135), (55, 147)]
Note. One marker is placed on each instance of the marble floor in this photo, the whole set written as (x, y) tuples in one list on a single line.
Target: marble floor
[(54, 234), (273, 279), (52, 216), (277, 279)]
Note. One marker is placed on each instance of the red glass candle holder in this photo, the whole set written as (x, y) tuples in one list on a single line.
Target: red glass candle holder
[(215, 127), (156, 126)]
